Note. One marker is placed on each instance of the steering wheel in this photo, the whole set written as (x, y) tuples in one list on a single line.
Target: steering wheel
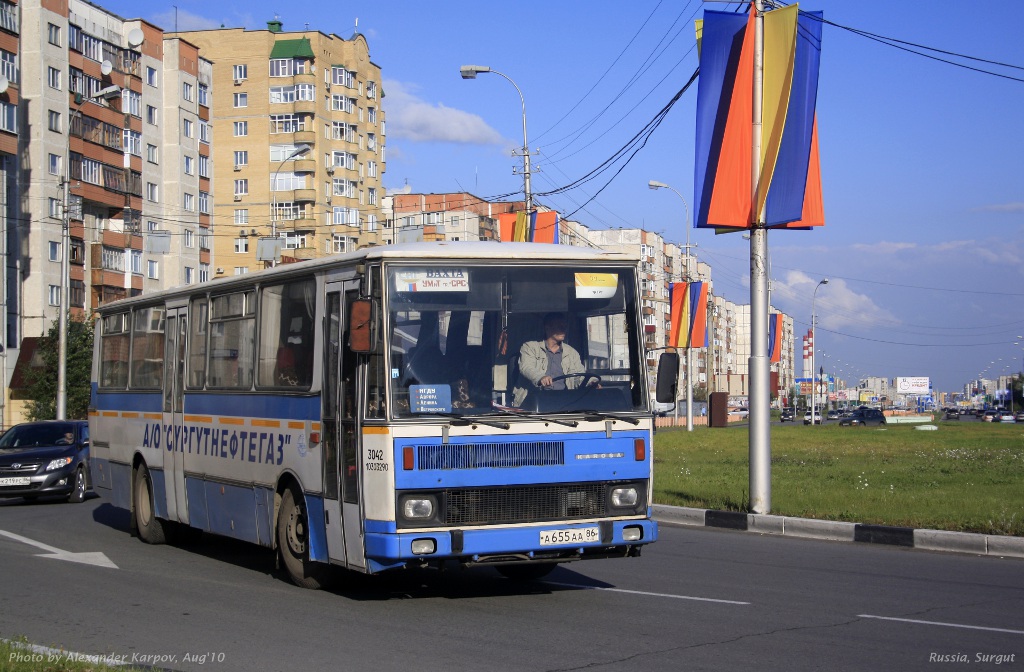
[(585, 375)]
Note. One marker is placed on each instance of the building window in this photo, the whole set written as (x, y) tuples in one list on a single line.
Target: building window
[(53, 78), (55, 209), (8, 117), (76, 293), (241, 100), (190, 275), (112, 259), (286, 67), (241, 245), (204, 166), (54, 293), (241, 158), (204, 272), (371, 196), (187, 91), (152, 192), (190, 165), (151, 76), (204, 202), (190, 238), (205, 132), (53, 34), (153, 269), (136, 261), (54, 247), (240, 72), (55, 164), (9, 65), (151, 153), (241, 270), (241, 128), (53, 121), (241, 187), (151, 115), (242, 216), (204, 95), (188, 202), (187, 128)]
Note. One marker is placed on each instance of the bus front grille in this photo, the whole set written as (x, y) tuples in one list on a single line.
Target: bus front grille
[(493, 455), (526, 504)]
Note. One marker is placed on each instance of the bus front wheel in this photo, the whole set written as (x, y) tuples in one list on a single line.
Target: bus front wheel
[(151, 529), (293, 543)]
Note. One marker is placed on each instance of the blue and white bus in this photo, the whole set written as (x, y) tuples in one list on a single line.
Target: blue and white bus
[(367, 410)]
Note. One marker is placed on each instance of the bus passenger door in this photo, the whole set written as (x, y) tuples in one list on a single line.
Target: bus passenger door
[(340, 433), (173, 420)]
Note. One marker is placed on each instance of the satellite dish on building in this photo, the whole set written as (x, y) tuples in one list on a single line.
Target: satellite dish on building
[(135, 38), (4, 83), (106, 67)]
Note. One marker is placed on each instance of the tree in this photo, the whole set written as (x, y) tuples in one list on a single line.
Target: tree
[(42, 392), (700, 393)]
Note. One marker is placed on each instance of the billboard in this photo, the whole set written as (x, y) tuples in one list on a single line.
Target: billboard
[(914, 385)]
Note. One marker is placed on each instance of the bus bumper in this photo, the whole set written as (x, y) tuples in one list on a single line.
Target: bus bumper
[(511, 544)]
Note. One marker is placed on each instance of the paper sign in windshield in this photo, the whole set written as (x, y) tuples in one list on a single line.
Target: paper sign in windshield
[(596, 285), (430, 398), (432, 280)]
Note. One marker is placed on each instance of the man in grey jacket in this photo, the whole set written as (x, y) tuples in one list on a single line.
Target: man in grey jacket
[(541, 362)]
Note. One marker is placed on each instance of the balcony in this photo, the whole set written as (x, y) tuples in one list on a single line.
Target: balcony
[(304, 166), (305, 137), (305, 195)]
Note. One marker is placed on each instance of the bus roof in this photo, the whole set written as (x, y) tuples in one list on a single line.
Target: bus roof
[(456, 250)]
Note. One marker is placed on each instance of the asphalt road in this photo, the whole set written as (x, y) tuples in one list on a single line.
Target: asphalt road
[(698, 599)]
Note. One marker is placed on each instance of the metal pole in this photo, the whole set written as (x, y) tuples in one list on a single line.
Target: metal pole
[(758, 365), (62, 318), (527, 192), (814, 380)]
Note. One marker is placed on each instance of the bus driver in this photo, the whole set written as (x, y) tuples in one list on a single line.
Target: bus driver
[(543, 363)]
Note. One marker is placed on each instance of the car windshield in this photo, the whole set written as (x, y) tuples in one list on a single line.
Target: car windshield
[(49, 434), (457, 337)]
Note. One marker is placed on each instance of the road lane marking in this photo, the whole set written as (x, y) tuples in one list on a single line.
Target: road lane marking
[(947, 625), (96, 558), (643, 592)]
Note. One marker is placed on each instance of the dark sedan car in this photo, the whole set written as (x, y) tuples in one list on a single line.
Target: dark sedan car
[(48, 458), (786, 415), (863, 417)]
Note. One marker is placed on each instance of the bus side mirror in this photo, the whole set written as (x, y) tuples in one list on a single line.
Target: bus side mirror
[(361, 326), (668, 377)]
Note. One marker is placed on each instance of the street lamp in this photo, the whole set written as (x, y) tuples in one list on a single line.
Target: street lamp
[(654, 184), (470, 72), (297, 152), (61, 404), (814, 383)]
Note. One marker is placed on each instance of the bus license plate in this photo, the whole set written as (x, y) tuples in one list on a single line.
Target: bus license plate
[(583, 535), (14, 480)]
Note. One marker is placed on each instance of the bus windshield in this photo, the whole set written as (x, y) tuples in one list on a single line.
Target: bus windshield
[(471, 339)]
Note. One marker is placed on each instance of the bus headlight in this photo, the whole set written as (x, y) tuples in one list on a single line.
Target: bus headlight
[(624, 497), (418, 508)]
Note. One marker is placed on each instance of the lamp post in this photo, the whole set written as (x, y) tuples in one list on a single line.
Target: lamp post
[(61, 404), (814, 383), (654, 184), (470, 72), (295, 153)]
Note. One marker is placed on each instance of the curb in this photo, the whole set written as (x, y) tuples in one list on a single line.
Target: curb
[(832, 530)]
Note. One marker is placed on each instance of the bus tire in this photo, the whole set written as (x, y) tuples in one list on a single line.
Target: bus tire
[(526, 572), (293, 543), (151, 529)]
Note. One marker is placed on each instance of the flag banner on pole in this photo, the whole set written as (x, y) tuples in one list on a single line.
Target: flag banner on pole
[(541, 227), (775, 338), (688, 315), (789, 183), (545, 227)]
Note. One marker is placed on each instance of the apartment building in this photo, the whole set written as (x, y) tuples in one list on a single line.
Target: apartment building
[(299, 130), (449, 216), (100, 135)]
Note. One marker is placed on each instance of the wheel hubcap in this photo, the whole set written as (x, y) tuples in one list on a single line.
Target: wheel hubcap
[(296, 532)]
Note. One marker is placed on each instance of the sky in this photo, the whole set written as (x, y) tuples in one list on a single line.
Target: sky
[(922, 160)]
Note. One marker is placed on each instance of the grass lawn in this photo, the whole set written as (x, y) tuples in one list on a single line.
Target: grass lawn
[(966, 476)]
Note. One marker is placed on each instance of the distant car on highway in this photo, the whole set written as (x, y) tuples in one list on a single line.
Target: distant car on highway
[(49, 457), (862, 417), (816, 420), (1020, 416), (787, 415), (1005, 416), (952, 414), (832, 415), (989, 416)]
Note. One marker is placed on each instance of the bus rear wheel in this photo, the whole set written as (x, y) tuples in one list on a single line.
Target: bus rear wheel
[(151, 529), (293, 543)]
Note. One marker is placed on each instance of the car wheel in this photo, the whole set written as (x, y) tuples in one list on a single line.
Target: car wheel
[(77, 494), (150, 528), (293, 544)]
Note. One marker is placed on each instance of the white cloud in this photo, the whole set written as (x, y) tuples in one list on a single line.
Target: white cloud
[(1002, 207), (411, 118), (836, 306), (182, 21), (884, 247)]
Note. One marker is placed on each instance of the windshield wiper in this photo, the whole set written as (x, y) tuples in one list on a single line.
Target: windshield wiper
[(462, 420), (544, 418), (598, 415)]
